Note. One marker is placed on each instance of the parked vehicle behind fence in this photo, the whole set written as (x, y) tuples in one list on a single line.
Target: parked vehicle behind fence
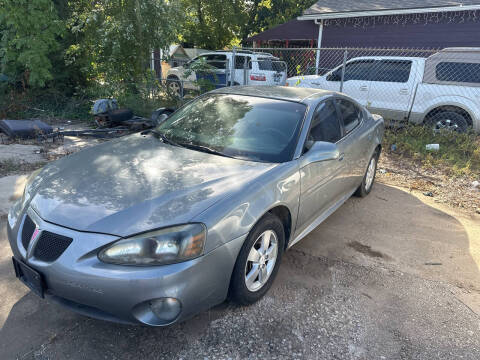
[(249, 68), (442, 90)]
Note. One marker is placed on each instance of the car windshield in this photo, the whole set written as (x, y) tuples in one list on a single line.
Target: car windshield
[(245, 127)]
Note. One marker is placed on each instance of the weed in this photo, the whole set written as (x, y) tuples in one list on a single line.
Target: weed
[(459, 152)]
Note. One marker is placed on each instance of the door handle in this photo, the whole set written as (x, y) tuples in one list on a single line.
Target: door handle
[(363, 88), (404, 92), (316, 83), (341, 157)]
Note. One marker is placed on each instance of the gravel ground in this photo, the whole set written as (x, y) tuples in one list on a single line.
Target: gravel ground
[(356, 288)]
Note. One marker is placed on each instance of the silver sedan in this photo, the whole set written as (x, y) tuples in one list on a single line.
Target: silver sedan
[(155, 227)]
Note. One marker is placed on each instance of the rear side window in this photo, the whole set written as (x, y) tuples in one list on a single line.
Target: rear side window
[(391, 71), (271, 64), (458, 72), (350, 113), (325, 125), (218, 61)]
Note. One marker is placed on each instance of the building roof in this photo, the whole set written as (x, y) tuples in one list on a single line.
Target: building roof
[(291, 30), (332, 7)]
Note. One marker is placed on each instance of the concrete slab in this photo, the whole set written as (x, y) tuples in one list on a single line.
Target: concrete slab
[(30, 154)]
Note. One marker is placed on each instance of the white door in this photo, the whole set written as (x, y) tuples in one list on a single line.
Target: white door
[(356, 79), (391, 88)]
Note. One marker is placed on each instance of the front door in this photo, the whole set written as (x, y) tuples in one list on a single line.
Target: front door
[(319, 186)]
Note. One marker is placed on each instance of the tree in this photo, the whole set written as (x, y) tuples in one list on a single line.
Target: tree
[(215, 24), (265, 14), (211, 24), (118, 36), (30, 34)]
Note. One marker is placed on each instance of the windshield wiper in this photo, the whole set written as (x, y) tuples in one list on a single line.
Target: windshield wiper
[(163, 137), (203, 149)]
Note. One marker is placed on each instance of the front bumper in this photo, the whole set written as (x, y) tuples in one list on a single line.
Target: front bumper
[(81, 282)]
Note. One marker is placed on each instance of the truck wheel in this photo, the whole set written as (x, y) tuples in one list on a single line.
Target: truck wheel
[(174, 85), (448, 121)]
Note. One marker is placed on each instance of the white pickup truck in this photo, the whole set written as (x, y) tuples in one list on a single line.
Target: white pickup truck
[(442, 90)]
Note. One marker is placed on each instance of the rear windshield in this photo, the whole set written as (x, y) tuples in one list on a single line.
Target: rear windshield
[(271, 64), (244, 127)]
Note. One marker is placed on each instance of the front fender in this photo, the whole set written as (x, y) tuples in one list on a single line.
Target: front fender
[(235, 215)]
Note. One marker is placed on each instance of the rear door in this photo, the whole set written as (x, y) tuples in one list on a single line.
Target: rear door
[(391, 88), (351, 146), (274, 70)]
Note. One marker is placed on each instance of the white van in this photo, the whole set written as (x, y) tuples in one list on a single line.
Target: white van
[(249, 68)]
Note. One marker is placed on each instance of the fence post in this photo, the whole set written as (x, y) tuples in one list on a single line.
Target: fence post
[(345, 54), (232, 65), (245, 67)]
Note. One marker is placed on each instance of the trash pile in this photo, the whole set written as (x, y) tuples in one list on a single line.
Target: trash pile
[(111, 121)]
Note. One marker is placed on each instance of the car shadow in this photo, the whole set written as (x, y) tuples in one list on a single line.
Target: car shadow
[(390, 229)]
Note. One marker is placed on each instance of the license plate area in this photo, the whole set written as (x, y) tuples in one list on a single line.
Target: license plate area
[(30, 277)]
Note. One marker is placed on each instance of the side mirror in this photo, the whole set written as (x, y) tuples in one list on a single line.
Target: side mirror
[(321, 151), (333, 77)]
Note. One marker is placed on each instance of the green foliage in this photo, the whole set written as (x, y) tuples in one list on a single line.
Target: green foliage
[(118, 36), (30, 33), (215, 24), (201, 66), (211, 24), (460, 152)]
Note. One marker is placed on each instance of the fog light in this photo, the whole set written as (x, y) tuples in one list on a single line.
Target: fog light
[(166, 309)]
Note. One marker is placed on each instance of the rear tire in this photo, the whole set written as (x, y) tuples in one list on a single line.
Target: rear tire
[(448, 121), (369, 177), (258, 261)]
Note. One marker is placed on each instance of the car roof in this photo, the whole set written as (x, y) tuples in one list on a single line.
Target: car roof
[(297, 94)]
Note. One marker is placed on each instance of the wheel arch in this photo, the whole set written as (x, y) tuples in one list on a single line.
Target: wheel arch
[(285, 216), (462, 110)]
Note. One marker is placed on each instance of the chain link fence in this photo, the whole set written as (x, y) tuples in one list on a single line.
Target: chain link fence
[(441, 87), (437, 86)]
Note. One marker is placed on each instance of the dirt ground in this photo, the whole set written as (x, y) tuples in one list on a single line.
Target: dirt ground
[(393, 276), (437, 183)]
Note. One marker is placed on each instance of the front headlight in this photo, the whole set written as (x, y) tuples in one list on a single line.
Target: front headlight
[(160, 247)]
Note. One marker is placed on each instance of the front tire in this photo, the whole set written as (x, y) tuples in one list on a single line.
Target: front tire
[(174, 86), (369, 177), (258, 261)]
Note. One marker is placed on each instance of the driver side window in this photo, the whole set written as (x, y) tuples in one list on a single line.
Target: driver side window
[(325, 125), (355, 70)]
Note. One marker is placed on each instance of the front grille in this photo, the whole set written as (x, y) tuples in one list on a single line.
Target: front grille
[(50, 246), (27, 231)]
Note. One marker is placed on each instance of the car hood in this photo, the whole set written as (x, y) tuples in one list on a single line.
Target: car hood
[(135, 184)]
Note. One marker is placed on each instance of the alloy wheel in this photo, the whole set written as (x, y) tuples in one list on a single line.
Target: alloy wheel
[(370, 173), (261, 260), (445, 125)]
